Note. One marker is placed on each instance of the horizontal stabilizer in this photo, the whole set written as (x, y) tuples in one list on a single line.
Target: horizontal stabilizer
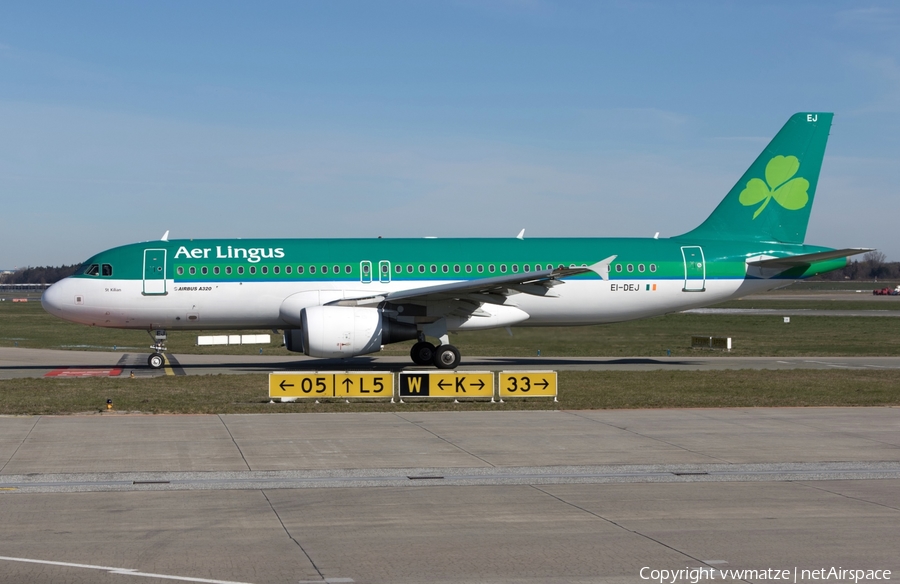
[(807, 259)]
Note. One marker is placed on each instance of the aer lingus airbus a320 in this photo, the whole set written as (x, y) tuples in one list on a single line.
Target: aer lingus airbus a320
[(349, 297)]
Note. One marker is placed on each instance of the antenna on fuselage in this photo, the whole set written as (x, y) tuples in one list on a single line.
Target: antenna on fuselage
[(521, 235), (165, 236), (656, 236)]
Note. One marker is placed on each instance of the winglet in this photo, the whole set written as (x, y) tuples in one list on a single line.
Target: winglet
[(521, 234), (165, 236), (601, 268)]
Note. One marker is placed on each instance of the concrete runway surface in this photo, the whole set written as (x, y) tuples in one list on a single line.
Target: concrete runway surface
[(544, 496)]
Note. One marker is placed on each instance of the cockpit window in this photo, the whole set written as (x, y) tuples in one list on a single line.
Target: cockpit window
[(93, 270), (106, 270)]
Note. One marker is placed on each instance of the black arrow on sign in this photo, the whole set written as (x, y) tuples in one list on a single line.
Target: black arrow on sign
[(347, 383), (283, 384), (544, 383), (480, 384), (441, 384)]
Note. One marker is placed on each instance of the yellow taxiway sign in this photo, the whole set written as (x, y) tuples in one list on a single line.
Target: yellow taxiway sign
[(455, 384), (528, 384), (363, 384), (319, 384)]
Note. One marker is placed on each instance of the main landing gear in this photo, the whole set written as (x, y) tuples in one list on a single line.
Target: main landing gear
[(443, 356), (156, 360)]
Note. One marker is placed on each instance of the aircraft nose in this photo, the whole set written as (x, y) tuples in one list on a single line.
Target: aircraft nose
[(55, 299)]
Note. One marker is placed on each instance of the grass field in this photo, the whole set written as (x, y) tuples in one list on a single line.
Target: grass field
[(27, 325), (225, 394), (890, 303), (847, 285)]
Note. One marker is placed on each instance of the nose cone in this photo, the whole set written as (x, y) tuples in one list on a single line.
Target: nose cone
[(56, 300)]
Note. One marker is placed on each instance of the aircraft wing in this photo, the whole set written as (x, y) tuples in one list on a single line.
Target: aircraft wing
[(807, 259), (492, 290)]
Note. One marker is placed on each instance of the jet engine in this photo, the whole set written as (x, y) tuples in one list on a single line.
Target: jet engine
[(345, 331)]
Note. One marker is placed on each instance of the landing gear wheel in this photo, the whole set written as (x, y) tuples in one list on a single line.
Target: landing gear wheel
[(422, 353), (156, 361), (446, 357)]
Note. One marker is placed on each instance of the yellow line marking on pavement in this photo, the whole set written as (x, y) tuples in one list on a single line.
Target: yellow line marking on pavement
[(166, 367)]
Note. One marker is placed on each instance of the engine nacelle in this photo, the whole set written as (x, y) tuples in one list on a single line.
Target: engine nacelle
[(345, 331)]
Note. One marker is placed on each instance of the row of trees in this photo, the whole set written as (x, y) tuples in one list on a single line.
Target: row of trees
[(872, 266), (39, 275)]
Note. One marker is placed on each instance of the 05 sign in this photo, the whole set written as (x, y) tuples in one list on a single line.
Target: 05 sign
[(528, 384), (293, 385)]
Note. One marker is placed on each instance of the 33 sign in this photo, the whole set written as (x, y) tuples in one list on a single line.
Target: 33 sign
[(528, 384)]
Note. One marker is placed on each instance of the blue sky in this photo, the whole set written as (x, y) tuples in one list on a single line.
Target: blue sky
[(122, 120)]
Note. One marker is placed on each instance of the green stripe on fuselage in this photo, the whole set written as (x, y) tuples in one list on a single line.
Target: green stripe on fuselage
[(659, 258)]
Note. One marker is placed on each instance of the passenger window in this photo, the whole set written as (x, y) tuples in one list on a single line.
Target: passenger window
[(398, 268), (640, 267), (348, 269), (324, 269), (421, 268), (180, 271), (409, 269), (204, 270), (433, 269), (445, 268), (652, 267), (264, 269), (276, 270), (299, 269), (106, 270), (336, 269), (502, 268), (491, 268), (515, 268), (468, 268), (630, 267), (537, 267), (240, 270), (192, 270), (252, 269), (93, 270), (480, 268), (287, 269), (456, 268), (526, 268), (228, 270), (312, 269), (216, 270)]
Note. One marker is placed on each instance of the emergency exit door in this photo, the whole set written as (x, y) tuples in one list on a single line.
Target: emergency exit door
[(694, 269)]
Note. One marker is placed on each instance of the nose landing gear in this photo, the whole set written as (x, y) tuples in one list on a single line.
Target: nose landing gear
[(156, 359)]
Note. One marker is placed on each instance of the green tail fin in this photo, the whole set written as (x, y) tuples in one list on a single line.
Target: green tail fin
[(773, 199)]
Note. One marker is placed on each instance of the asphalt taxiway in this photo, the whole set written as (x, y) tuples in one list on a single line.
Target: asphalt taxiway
[(527, 496), (21, 362)]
